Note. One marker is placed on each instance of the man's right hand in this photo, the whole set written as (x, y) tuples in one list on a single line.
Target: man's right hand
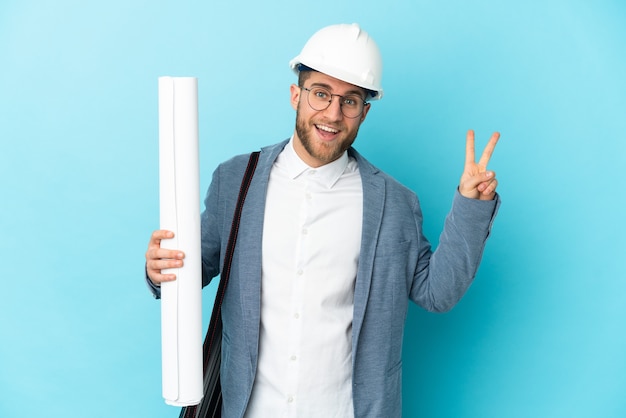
[(158, 258)]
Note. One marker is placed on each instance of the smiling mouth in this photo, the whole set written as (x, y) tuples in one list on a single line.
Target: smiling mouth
[(327, 129)]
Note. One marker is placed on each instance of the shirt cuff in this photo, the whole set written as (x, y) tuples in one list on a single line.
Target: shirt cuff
[(154, 289)]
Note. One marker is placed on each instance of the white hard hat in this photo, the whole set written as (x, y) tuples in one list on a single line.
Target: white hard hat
[(345, 52)]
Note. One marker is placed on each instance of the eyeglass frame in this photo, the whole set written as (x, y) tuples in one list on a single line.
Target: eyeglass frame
[(341, 96)]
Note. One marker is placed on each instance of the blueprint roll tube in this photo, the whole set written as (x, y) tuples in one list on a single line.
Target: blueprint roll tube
[(179, 195)]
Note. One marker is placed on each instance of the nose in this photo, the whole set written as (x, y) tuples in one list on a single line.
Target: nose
[(333, 110)]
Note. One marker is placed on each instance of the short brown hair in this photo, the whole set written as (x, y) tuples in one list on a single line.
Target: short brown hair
[(303, 76)]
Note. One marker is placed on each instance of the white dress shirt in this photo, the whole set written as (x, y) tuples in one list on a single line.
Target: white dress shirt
[(311, 243)]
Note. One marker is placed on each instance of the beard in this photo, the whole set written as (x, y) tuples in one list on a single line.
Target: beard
[(325, 152)]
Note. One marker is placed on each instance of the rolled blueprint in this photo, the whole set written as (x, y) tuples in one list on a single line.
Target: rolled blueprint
[(181, 300)]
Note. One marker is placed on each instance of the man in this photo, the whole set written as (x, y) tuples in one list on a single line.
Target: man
[(331, 250)]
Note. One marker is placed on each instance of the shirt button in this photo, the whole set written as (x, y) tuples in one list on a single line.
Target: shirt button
[(293, 358), (296, 315), (300, 272), (290, 399), (305, 231)]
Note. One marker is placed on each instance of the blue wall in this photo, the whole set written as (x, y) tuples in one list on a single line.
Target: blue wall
[(540, 334)]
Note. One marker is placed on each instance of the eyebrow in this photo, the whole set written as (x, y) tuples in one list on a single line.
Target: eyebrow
[(349, 92)]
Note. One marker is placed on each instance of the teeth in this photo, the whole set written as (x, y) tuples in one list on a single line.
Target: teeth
[(327, 129)]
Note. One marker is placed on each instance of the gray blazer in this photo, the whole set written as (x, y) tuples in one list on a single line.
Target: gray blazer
[(396, 264)]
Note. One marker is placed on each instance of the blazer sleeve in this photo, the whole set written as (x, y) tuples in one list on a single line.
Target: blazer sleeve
[(442, 277), (210, 229)]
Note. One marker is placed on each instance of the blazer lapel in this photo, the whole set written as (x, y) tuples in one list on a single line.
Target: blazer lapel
[(373, 203), (250, 249)]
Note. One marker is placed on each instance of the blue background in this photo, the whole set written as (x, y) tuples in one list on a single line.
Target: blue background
[(541, 333)]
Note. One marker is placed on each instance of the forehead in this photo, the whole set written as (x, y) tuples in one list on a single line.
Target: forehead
[(333, 84)]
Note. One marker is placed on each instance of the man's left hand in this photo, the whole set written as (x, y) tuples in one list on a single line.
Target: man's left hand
[(477, 182)]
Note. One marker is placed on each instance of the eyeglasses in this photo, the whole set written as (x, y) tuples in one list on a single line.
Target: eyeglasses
[(320, 98)]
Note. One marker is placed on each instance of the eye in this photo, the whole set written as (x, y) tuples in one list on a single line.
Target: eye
[(321, 94), (351, 101)]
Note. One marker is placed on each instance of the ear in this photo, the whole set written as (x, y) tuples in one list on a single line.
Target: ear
[(295, 96)]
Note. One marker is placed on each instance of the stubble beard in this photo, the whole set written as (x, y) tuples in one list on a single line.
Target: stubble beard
[(325, 152)]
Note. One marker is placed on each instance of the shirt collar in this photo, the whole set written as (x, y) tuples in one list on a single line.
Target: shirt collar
[(327, 174)]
